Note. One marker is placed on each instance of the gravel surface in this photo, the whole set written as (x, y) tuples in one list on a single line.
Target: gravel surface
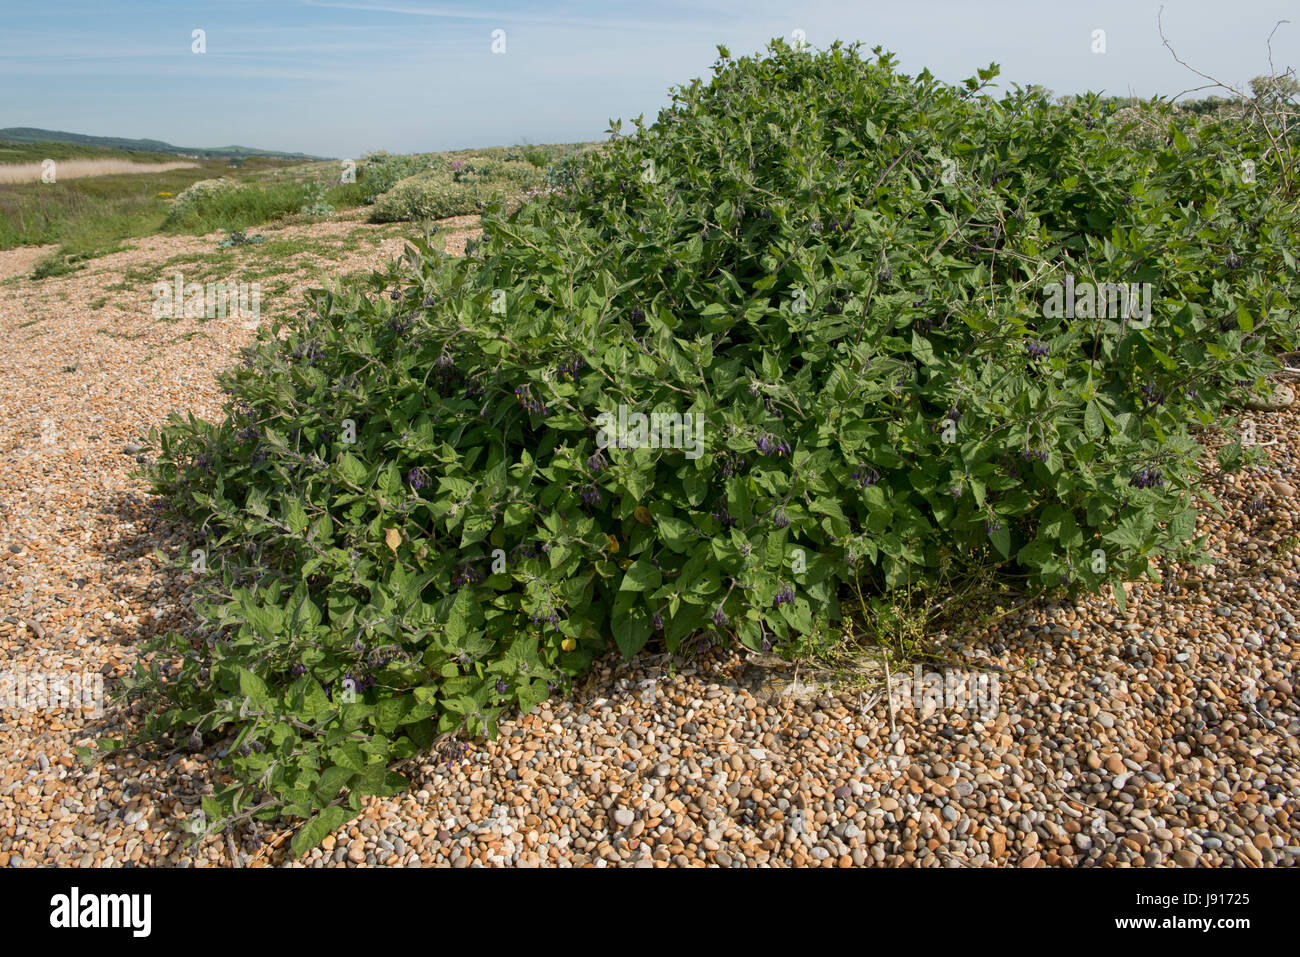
[(1163, 736)]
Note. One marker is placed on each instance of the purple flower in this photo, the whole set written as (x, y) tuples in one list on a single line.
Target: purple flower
[(453, 752), (780, 519), (865, 475), (524, 394), (732, 464), (501, 686), (298, 670), (465, 574), (570, 368), (1147, 478), (591, 495), (1037, 350), (1152, 396), (770, 444), (720, 618), (548, 617), (418, 478), (596, 462), (783, 597), (310, 351), (657, 622), (724, 517)]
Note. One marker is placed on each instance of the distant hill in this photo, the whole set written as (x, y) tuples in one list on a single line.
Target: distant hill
[(27, 134)]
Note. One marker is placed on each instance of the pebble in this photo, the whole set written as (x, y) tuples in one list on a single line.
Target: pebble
[(1153, 736)]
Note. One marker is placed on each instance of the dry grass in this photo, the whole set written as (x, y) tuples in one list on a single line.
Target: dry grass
[(76, 169)]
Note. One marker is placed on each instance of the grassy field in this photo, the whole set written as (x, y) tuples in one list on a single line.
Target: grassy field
[(95, 215)]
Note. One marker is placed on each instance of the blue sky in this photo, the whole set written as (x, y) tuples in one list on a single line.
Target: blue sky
[(342, 77)]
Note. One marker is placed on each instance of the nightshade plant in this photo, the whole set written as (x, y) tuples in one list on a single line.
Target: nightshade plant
[(841, 269)]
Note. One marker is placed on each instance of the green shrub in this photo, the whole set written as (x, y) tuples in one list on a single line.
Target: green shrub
[(57, 264), (537, 156), (222, 204), (347, 195), (380, 171), (237, 237), (316, 203), (462, 188), (408, 525), (198, 195), (564, 173)]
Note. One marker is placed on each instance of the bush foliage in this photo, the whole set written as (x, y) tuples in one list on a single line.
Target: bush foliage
[(407, 523), (227, 204), (458, 187)]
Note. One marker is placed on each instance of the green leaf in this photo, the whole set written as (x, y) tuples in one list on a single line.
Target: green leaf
[(331, 781), (1001, 539), (642, 576), (1244, 321), (922, 349), (319, 827), (476, 529), (255, 689), (1093, 426), (631, 631), (352, 470)]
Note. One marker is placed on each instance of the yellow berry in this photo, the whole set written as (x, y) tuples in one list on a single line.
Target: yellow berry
[(568, 644)]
